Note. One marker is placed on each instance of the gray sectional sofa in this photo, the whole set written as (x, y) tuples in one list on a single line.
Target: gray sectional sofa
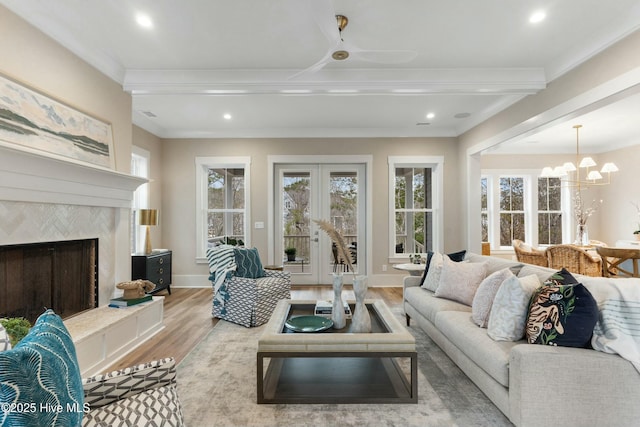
[(533, 385)]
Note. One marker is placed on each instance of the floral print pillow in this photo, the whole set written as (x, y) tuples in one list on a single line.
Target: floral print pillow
[(562, 315)]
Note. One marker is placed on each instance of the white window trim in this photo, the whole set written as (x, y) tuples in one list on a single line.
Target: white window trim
[(530, 177), (141, 197), (436, 163), (203, 164)]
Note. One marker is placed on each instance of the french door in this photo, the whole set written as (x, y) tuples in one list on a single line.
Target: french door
[(332, 192)]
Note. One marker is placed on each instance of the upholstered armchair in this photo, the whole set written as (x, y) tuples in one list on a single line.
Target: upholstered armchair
[(41, 378), (529, 255), (575, 259), (243, 292)]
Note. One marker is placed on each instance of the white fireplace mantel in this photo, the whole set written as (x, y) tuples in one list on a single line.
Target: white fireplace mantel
[(30, 177)]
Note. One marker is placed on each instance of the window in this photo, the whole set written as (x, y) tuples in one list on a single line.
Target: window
[(521, 205), (511, 210), (415, 188), (484, 209), (140, 161), (223, 188), (549, 211)]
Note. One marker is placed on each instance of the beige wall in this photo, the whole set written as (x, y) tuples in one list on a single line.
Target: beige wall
[(32, 59), (572, 90), (153, 144), (179, 191), (616, 218)]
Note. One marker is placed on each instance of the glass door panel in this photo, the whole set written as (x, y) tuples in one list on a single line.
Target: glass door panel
[(332, 192)]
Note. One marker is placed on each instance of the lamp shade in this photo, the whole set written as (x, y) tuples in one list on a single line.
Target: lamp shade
[(587, 162), (594, 176), (148, 217), (609, 167)]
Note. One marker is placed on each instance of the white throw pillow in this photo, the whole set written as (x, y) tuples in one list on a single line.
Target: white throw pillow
[(460, 280), (509, 311), (486, 293), (432, 280)]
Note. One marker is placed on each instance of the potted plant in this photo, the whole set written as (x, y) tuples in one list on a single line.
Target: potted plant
[(291, 253), (16, 327)]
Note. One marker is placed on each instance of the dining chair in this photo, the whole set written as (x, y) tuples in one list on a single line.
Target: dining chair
[(575, 259), (529, 255), (613, 259)]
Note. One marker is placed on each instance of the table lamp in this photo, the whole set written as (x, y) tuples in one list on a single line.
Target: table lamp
[(148, 217)]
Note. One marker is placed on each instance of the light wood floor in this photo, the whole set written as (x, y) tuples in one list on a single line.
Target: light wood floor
[(187, 320)]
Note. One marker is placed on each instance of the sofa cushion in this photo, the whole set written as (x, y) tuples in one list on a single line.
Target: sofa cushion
[(454, 256), (509, 312), (460, 280), (428, 305), (543, 273), (494, 263), (42, 368), (248, 263), (562, 315), (486, 293), (492, 356)]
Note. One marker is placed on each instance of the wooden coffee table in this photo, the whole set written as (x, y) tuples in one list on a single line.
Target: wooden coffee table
[(336, 366)]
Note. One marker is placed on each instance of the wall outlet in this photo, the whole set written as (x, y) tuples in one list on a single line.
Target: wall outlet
[(384, 267), (259, 224)]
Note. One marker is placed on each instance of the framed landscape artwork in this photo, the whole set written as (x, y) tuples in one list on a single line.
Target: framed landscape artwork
[(40, 124)]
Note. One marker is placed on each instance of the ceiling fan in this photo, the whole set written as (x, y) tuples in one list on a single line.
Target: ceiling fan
[(332, 26)]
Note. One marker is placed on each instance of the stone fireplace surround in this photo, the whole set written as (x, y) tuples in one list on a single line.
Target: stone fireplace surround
[(46, 199)]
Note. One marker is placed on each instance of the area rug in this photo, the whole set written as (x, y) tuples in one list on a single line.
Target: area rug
[(217, 387)]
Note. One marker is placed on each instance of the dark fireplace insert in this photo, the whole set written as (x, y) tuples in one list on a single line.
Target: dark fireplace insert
[(59, 275)]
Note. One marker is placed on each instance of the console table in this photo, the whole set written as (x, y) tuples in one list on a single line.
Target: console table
[(154, 267)]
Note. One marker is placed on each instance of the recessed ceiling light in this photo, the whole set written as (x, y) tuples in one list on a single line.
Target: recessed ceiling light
[(144, 20), (227, 116), (537, 16), (430, 115), (340, 91)]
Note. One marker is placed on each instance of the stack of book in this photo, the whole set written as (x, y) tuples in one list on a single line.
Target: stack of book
[(324, 309), (121, 302)]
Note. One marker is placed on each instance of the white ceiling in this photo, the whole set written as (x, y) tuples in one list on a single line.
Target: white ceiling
[(204, 58)]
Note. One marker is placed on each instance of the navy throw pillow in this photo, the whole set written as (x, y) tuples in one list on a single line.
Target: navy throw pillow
[(562, 315)]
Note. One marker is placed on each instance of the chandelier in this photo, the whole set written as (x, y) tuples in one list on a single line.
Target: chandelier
[(571, 175)]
